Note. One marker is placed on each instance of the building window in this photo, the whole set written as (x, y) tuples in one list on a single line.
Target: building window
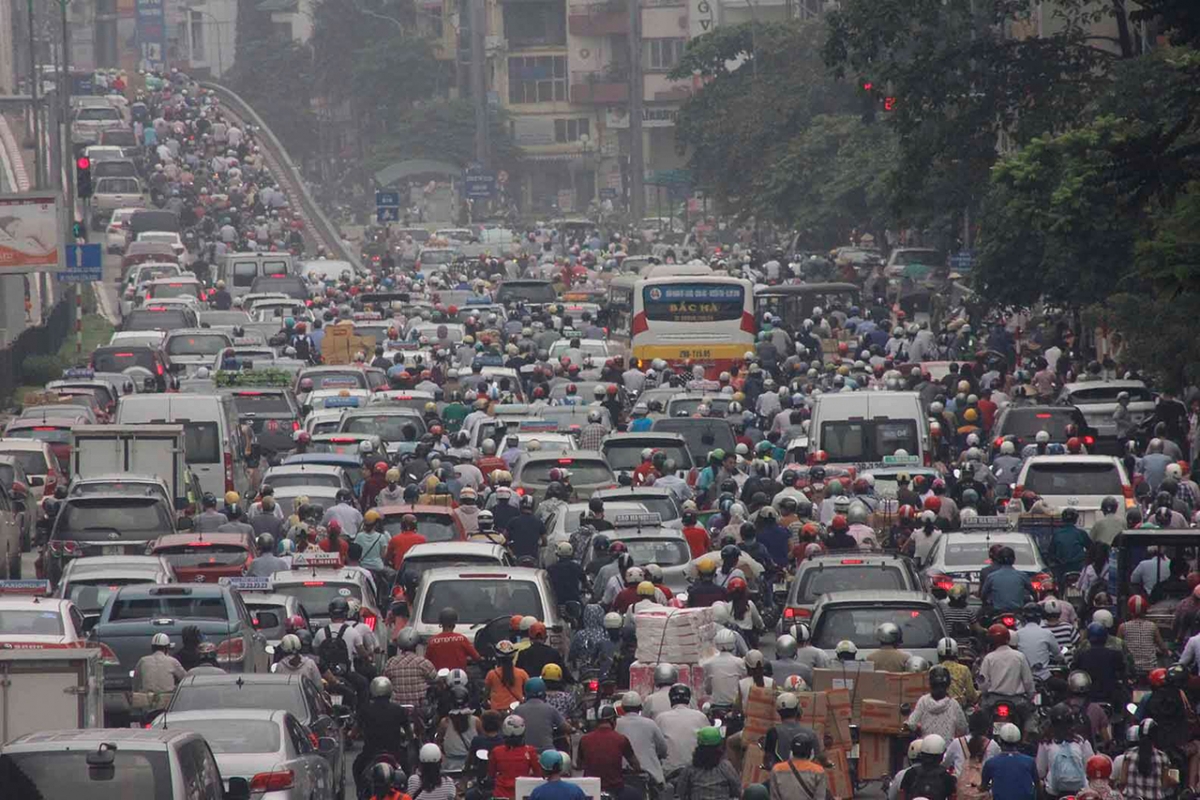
[(569, 130), (663, 54), (528, 24), (537, 79), (198, 36)]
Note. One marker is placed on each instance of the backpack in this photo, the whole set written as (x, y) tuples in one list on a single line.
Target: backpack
[(970, 775), (333, 652), (927, 781), (1066, 770)]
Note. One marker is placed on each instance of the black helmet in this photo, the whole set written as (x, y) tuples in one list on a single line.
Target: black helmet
[(804, 744), (600, 543), (939, 675), (1069, 516), (209, 500), (345, 496), (730, 551), (1109, 505), (381, 775), (411, 493), (338, 607), (1177, 675), (596, 505), (1031, 612), (680, 694)]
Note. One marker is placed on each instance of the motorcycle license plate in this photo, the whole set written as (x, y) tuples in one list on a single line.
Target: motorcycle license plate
[(591, 714), (780, 588), (335, 699)]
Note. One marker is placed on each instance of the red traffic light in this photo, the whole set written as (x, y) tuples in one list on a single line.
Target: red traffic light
[(889, 104), (83, 162), (867, 85)]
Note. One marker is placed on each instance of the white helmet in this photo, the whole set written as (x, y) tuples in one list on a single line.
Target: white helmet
[(753, 658), (721, 613), (933, 745), (725, 640), (1042, 437), (513, 726), (290, 643), (613, 621), (1009, 733), (160, 640), (635, 575), (787, 702), (1104, 617), (914, 749), (459, 677), (1007, 448), (947, 648), (432, 754)]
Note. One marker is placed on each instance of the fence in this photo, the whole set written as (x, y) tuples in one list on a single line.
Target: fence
[(45, 339)]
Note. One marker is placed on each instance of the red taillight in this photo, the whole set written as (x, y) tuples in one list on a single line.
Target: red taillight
[(593, 685), (639, 324), (295, 426), (231, 650), (272, 781), (852, 561), (158, 367), (228, 471), (789, 613), (1002, 711), (370, 620), (44, 428), (748, 322), (108, 656), (1008, 622), (314, 583), (945, 584), (1089, 440), (1042, 416)]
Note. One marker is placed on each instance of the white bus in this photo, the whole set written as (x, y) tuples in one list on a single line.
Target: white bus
[(692, 319)]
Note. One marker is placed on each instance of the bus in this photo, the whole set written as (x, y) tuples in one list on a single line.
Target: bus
[(692, 319)]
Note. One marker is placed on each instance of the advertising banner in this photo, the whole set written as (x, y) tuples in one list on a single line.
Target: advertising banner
[(30, 228)]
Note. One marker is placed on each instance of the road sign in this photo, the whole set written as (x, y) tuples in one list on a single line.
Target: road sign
[(479, 184), (387, 214), (681, 178), (387, 199), (608, 193), (85, 263), (962, 260)]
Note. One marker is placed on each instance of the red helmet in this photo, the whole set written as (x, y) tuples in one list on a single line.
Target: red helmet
[(998, 634), (839, 523), (572, 388), (381, 467), (618, 547), (334, 526), (861, 486), (736, 585), (612, 388), (843, 348), (1074, 445), (907, 513), (810, 529), (934, 504), (1158, 677), (539, 392), (295, 622), (514, 622), (436, 430), (1099, 766), (555, 474), (1137, 606)]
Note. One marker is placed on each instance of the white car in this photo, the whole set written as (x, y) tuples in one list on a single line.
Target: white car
[(135, 338), (171, 238), (1078, 482), (1098, 400), (30, 619), (116, 234), (576, 350)]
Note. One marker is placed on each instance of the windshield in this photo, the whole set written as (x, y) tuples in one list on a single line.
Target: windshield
[(664, 552), (115, 487), (91, 595), (479, 600), (975, 554), (583, 473), (168, 607), (701, 435), (866, 440), (196, 344), (1073, 479), (98, 520), (389, 427), (1108, 394), (526, 293), (837, 578), (284, 696), (33, 462), (1026, 423), (49, 774), (203, 554), (694, 302), (316, 594), (19, 622), (434, 527), (920, 626)]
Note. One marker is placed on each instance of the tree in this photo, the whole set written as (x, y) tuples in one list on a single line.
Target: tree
[(275, 76), (444, 130)]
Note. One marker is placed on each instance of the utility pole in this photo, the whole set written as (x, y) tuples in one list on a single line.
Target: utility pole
[(66, 155), (478, 79), (35, 80), (637, 158)]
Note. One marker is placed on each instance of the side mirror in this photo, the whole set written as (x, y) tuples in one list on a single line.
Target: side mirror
[(239, 789), (37, 480), (327, 746), (322, 723), (574, 609), (482, 755), (270, 649)]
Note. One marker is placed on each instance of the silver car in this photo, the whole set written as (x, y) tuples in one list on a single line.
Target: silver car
[(855, 615), (270, 748), (1098, 400)]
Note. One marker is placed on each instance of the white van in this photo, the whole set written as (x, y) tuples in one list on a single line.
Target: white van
[(869, 427), (239, 270), (1078, 482), (212, 440)]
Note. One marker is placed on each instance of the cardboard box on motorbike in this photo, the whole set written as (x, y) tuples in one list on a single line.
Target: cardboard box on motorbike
[(641, 679)]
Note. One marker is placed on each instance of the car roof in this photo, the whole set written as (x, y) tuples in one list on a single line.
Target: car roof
[(14, 444), (138, 739), (302, 574), (1077, 386), (837, 558), (110, 564), (151, 590), (451, 549), (335, 459), (203, 714), (241, 678), (637, 436), (106, 496), (124, 477), (575, 455), (876, 596), (633, 491), (1073, 458), (213, 537), (482, 571), (304, 469)]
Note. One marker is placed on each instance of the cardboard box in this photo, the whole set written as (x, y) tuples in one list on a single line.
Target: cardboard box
[(844, 676), (752, 768), (837, 720), (838, 773), (760, 713), (874, 756), (880, 716)]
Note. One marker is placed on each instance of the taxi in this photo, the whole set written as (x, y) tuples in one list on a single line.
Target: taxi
[(208, 557), (30, 619), (339, 399), (273, 615), (317, 578)]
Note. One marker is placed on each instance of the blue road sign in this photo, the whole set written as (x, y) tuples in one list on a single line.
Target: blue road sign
[(85, 263), (608, 193), (387, 199), (479, 184), (387, 214), (962, 260)]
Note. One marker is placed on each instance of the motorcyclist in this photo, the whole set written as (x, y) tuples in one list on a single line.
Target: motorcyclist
[(889, 657), (1004, 674), (657, 702), (1011, 774), (543, 722), (937, 712), (267, 563), (704, 592), (962, 684), (384, 726), (553, 766), (777, 743), (680, 726), (428, 781), (723, 671), (513, 759), (295, 662), (649, 744), (1106, 666), (458, 729), (383, 781), (929, 778), (798, 775), (1068, 546), (1036, 643), (1005, 588)]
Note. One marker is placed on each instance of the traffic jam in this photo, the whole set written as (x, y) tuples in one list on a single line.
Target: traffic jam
[(565, 515)]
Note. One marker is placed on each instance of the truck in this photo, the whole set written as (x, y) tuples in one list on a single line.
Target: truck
[(52, 688), (134, 449)]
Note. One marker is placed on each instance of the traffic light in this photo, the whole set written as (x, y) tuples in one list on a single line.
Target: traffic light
[(83, 177), (889, 104), (868, 101)]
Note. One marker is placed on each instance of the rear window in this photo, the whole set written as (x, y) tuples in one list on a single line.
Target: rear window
[(119, 360), (98, 114), (91, 595), (168, 607), (121, 138), (113, 169), (291, 286), (203, 554), (478, 599), (1073, 479), (201, 442), (65, 773), (837, 578), (1027, 422), (583, 473), (700, 435), (234, 736), (198, 344), (975, 554), (180, 289), (285, 696), (664, 552), (117, 186), (131, 521), (434, 527), (919, 625), (34, 463), (42, 433), (390, 427), (867, 440), (163, 320), (244, 273), (1108, 394), (114, 487), (261, 403), (623, 456), (316, 594), (20, 622), (720, 405), (525, 293), (338, 380)]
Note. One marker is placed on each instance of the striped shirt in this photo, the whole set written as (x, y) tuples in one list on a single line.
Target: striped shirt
[(1065, 633), (959, 620), (446, 791)]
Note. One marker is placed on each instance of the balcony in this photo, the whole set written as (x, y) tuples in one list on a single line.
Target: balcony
[(601, 87), (599, 19)]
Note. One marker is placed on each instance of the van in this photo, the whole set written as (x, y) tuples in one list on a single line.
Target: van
[(869, 427), (1078, 482), (213, 442), (239, 270)]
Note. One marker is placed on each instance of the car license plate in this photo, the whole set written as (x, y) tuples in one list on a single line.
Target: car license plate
[(113, 550), (335, 699)]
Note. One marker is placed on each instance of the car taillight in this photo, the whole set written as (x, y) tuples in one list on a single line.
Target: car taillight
[(789, 613), (295, 426), (370, 620), (108, 656), (231, 650), (272, 781), (158, 368), (944, 583), (1008, 622), (228, 471), (1002, 711), (1089, 440), (593, 685), (64, 547), (1038, 580), (51, 482)]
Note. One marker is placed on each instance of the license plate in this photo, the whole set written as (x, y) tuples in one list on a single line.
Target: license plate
[(591, 714), (335, 699), (113, 550), (780, 588)]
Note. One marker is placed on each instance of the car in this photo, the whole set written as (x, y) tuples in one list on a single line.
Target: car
[(232, 318), (831, 572), (88, 120), (339, 399), (685, 404), (32, 619), (121, 483), (420, 558), (483, 428), (902, 257), (588, 470), (316, 579), (1097, 400), (855, 615), (650, 542), (54, 431), (304, 475), (109, 194), (62, 405), (16, 499), (272, 413), (434, 258), (394, 427), (195, 346), (483, 594), (576, 350), (1021, 424), (352, 465), (136, 278), (659, 500), (88, 582), (169, 238), (123, 355), (1078, 482), (155, 290), (435, 523), (271, 612), (528, 291), (247, 357), (269, 748), (441, 334), (146, 252), (408, 399), (103, 524), (958, 557), (116, 236), (205, 558), (565, 520), (115, 764), (319, 496), (39, 463), (339, 377), (163, 316), (323, 420), (702, 435), (105, 392), (297, 696)]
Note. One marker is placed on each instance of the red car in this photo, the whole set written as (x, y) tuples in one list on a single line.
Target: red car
[(206, 557), (435, 523)]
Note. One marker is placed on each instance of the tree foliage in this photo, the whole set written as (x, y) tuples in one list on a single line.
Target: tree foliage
[(275, 76), (444, 130)]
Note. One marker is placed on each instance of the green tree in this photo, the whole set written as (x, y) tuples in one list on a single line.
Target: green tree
[(444, 130), (275, 76)]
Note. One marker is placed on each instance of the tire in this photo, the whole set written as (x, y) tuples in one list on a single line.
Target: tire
[(14, 569)]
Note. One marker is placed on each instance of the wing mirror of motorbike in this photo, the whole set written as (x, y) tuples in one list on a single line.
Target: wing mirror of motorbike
[(513, 705), (481, 754), (322, 723), (327, 746), (1065, 651), (1132, 708), (958, 473), (270, 649)]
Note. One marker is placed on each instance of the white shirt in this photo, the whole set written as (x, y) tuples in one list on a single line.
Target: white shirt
[(955, 756), (353, 637), (1149, 572), (679, 726), (722, 676), (1191, 651), (1005, 671)]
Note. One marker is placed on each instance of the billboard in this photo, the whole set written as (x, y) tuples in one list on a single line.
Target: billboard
[(151, 34), (30, 231)]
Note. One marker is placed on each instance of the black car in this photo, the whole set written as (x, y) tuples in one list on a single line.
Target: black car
[(104, 525), (272, 413), (1023, 423)]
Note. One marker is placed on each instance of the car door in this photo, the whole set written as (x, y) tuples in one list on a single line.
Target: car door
[(317, 701), (256, 643)]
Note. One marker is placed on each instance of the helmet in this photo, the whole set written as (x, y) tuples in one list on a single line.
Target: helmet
[(505, 648), (1099, 767), (265, 541), (933, 745), (1104, 617), (998, 634), (564, 550), (290, 643), (382, 774), (408, 639), (1109, 505), (846, 647), (1009, 733), (430, 754), (725, 640), (513, 726), (1137, 606), (946, 648), (338, 607), (680, 694), (646, 589), (916, 664), (667, 674), (1158, 677), (786, 647), (787, 702), (1097, 633), (160, 640), (938, 675), (888, 633), (613, 621), (535, 687), (1079, 682), (381, 687), (753, 658), (551, 760)]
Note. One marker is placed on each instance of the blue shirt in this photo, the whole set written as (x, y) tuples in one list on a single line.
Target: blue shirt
[(776, 539), (1006, 589), (640, 424), (558, 790), (1012, 776)]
